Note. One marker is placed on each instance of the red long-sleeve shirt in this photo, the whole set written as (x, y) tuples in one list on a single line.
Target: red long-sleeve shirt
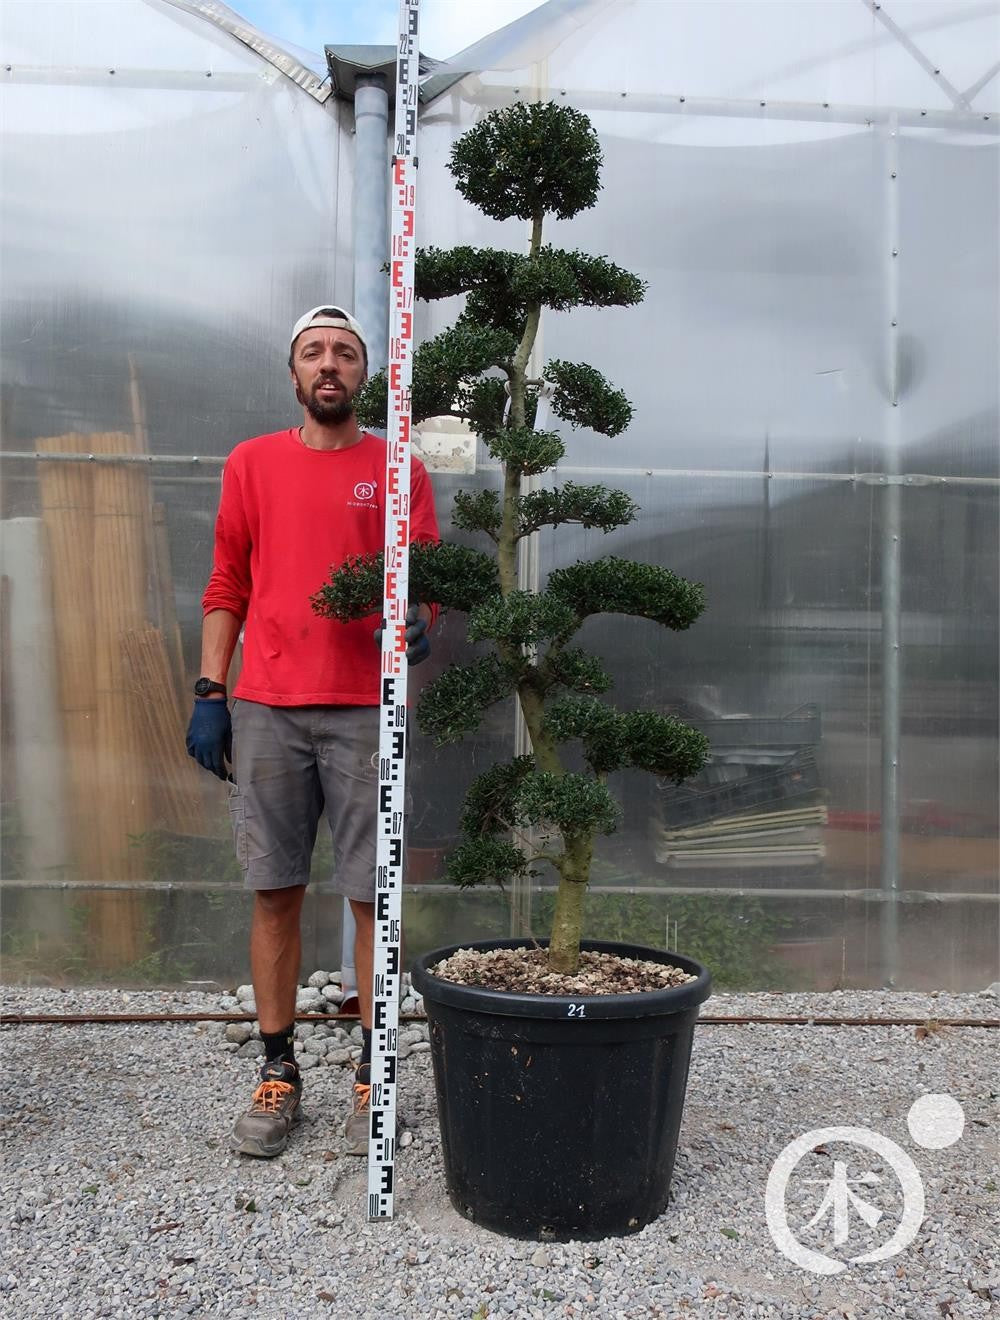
[(288, 514)]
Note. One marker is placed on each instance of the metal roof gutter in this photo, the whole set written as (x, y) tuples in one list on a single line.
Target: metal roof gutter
[(226, 19)]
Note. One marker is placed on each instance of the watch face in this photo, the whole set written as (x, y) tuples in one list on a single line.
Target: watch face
[(205, 685)]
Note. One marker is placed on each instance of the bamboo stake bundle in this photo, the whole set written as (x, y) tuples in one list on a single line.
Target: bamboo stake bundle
[(122, 512), (67, 500), (174, 776), (166, 604)]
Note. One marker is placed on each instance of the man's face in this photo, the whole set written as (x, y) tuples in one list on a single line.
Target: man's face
[(328, 369)]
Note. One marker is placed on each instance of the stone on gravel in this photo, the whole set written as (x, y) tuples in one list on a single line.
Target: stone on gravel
[(526, 970), (119, 1187), (239, 1032)]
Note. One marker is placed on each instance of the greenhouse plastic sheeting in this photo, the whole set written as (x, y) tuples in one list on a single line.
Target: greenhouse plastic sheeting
[(811, 194)]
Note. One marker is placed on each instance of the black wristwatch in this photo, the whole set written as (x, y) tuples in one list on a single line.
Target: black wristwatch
[(206, 685)]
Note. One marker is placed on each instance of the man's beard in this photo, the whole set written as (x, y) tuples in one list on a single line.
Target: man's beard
[(325, 412)]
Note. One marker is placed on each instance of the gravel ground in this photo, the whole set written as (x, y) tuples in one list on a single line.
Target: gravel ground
[(119, 1196)]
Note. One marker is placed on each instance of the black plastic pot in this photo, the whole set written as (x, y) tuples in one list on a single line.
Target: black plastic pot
[(560, 1116)]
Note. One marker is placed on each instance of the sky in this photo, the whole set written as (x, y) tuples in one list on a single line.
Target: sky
[(446, 26)]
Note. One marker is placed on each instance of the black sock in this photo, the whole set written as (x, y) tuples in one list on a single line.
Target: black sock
[(364, 1070), (279, 1044)]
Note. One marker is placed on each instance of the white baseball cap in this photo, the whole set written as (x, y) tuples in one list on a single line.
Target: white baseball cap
[(327, 314)]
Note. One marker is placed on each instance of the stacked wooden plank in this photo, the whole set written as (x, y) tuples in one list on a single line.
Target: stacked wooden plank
[(772, 838)]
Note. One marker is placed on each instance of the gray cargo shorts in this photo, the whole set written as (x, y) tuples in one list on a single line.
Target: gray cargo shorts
[(290, 764)]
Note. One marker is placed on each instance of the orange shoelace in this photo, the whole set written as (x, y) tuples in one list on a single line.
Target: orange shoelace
[(362, 1095), (267, 1097)]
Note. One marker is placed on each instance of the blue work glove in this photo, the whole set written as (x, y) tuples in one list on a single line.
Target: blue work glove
[(210, 735), (418, 646)]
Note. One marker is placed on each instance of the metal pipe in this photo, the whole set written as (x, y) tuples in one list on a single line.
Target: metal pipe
[(144, 459), (816, 112), (371, 214), (891, 573), (102, 1019), (159, 80), (370, 222), (957, 99), (912, 896), (707, 474)]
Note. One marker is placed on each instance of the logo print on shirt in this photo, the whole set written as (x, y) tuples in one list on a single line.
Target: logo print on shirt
[(364, 490)]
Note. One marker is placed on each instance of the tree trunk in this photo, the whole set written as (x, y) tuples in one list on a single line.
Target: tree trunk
[(567, 922), (574, 865)]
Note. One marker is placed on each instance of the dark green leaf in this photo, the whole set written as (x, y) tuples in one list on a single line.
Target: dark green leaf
[(529, 158)]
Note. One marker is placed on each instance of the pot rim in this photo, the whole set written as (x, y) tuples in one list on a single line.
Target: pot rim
[(516, 1003)]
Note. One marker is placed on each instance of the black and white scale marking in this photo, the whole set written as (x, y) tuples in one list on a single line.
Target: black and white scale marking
[(392, 722)]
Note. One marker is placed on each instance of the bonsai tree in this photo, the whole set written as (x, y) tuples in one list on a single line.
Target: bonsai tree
[(529, 161)]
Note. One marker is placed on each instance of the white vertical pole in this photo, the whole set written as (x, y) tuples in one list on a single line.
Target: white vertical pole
[(392, 721), (39, 754)]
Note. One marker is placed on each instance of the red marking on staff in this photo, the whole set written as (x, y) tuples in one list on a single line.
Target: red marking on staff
[(408, 221), (397, 273), (395, 372), (390, 586), (402, 532), (398, 170)]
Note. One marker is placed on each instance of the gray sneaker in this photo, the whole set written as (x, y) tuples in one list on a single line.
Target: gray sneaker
[(358, 1121), (263, 1130), (358, 1124)]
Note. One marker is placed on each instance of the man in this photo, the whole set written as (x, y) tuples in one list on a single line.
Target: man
[(303, 735)]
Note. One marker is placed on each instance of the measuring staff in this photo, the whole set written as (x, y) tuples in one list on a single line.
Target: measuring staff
[(396, 551)]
